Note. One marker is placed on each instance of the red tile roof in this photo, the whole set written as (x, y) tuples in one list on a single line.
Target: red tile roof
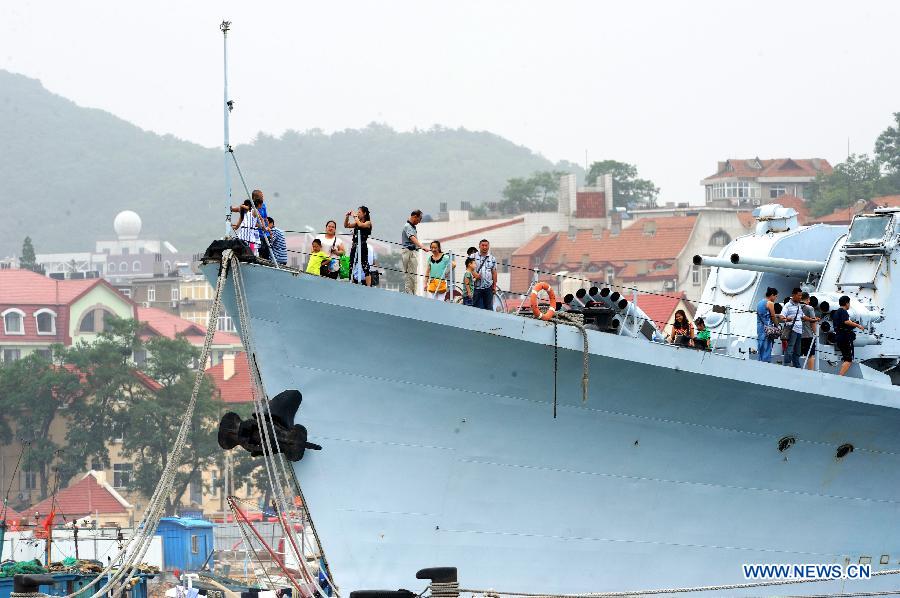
[(237, 388), (886, 201), (747, 219), (537, 244), (165, 324), (631, 272), (779, 167), (659, 308), (27, 287), (646, 239), (85, 497), (483, 229)]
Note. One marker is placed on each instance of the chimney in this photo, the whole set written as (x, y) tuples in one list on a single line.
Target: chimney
[(566, 196), (615, 222), (227, 366), (721, 167)]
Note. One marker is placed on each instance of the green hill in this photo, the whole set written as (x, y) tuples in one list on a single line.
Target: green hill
[(67, 170)]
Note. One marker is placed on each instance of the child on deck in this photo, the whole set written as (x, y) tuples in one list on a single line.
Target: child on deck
[(316, 258), (701, 339), (469, 281)]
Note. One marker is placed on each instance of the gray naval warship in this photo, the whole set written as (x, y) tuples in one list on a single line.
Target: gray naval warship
[(460, 437)]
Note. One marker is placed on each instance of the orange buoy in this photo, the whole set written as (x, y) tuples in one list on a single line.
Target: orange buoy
[(546, 315)]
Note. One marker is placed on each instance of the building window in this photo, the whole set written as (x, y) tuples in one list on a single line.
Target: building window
[(195, 544), (95, 320), (695, 275), (660, 266), (175, 294), (135, 266), (610, 274), (225, 324), (122, 475), (139, 356), (87, 322), (126, 292), (151, 293), (125, 251), (14, 321), (123, 267), (719, 239), (167, 267), (10, 355), (214, 483), (776, 191), (46, 354), (46, 321), (735, 190), (110, 267), (28, 480)]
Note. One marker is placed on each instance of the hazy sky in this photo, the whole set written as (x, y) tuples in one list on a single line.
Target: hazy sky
[(670, 86)]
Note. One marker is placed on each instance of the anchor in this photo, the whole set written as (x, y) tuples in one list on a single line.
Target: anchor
[(292, 438)]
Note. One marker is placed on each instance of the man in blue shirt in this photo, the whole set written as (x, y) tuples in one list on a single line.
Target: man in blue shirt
[(279, 246), (264, 239), (843, 333)]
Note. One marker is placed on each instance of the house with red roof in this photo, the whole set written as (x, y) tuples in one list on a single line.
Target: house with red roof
[(158, 322), (90, 497), (750, 182), (232, 379), (651, 254), (38, 311)]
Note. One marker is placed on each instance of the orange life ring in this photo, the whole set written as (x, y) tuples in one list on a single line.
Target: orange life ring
[(551, 311)]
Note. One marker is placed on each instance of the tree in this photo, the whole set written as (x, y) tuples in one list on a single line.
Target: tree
[(28, 260), (887, 146), (537, 193), (858, 177), (628, 189), (150, 421), (110, 380), (34, 389)]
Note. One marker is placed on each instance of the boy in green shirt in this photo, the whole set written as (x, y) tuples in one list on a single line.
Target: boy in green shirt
[(314, 266), (701, 339)]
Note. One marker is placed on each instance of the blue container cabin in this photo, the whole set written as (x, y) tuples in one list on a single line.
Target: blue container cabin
[(186, 543)]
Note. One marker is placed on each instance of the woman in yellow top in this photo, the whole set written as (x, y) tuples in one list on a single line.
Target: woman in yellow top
[(316, 258)]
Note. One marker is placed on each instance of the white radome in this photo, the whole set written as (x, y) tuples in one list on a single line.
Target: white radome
[(127, 225)]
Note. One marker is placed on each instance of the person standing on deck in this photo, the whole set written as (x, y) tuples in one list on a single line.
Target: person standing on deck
[(843, 333), (810, 331), (409, 257), (246, 228), (793, 315), (766, 318), (485, 277), (279, 246), (359, 252), (263, 222)]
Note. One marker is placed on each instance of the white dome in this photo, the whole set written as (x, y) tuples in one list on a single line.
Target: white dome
[(127, 225)]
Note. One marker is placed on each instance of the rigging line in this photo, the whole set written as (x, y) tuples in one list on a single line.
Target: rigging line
[(25, 446), (259, 401), (261, 407)]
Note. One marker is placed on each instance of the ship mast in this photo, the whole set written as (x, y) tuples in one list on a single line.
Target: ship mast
[(224, 27)]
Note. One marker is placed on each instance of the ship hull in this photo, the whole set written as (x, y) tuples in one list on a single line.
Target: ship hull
[(440, 447)]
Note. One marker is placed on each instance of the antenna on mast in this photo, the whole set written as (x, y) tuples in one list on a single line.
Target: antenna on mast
[(227, 106)]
